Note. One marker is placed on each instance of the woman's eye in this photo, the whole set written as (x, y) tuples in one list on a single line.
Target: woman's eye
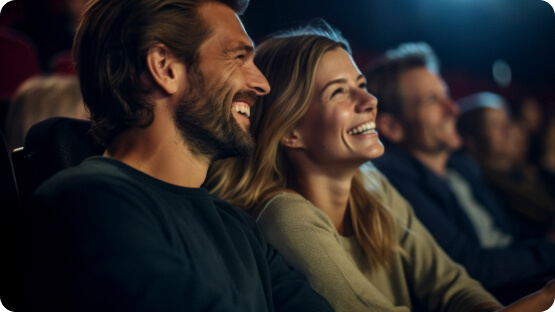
[(363, 86), (338, 91)]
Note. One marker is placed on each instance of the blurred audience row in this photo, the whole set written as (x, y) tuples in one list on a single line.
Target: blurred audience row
[(36, 37), (501, 145), (468, 180)]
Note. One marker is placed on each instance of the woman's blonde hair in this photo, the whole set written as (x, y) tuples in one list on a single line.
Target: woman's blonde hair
[(289, 62)]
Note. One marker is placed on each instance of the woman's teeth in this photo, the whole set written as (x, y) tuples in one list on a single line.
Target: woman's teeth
[(368, 127)]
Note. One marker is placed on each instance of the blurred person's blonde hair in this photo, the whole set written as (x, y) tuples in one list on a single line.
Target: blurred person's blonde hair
[(39, 98), (289, 62)]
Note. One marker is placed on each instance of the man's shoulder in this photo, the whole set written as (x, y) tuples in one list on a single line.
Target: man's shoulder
[(394, 159), (399, 167), (92, 171), (414, 181), (466, 166), (95, 180), (233, 212)]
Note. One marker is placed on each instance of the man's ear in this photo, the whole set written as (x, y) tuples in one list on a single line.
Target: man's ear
[(292, 139), (164, 68), (390, 128)]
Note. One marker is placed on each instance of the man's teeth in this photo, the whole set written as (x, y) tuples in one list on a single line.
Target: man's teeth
[(243, 109), (368, 127)]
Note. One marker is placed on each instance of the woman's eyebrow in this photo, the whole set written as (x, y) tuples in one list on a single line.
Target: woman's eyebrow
[(336, 81), (340, 80)]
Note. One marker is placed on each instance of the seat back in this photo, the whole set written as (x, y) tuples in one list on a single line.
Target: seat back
[(10, 220), (8, 186), (50, 146)]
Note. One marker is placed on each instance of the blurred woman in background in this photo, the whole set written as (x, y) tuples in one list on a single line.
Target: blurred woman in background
[(40, 98)]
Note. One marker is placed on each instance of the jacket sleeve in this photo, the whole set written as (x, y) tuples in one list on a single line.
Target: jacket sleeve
[(493, 267)]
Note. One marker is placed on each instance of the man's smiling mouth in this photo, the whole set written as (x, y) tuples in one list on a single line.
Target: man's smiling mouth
[(241, 108)]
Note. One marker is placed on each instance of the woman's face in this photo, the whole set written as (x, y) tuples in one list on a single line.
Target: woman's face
[(339, 126)]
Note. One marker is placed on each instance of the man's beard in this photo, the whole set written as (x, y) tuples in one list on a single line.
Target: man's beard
[(205, 121)]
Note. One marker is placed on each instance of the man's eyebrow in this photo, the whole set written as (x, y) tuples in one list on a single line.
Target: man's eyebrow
[(241, 48), (340, 80)]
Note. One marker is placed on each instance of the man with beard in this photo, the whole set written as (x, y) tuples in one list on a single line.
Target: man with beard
[(169, 85), (417, 122)]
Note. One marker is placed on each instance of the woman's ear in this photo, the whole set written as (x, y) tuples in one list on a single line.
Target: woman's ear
[(390, 128), (166, 71), (292, 139)]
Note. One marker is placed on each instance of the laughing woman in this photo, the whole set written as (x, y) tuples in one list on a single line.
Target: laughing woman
[(361, 247)]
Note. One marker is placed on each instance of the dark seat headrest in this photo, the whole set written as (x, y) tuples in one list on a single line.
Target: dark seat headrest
[(53, 145)]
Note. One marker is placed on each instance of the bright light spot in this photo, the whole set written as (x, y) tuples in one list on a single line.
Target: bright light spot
[(501, 73), (3, 3), (551, 3)]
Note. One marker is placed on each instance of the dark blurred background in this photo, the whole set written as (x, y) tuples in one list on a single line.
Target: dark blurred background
[(469, 37)]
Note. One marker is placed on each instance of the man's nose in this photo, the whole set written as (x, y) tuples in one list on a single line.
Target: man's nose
[(256, 80), (451, 106)]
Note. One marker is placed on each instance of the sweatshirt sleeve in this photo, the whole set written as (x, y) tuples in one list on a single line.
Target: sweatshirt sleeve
[(305, 238), (104, 253), (439, 283)]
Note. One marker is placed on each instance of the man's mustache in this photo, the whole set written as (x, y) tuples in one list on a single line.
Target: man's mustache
[(248, 97)]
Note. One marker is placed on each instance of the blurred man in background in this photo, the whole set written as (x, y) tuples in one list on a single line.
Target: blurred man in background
[(417, 122)]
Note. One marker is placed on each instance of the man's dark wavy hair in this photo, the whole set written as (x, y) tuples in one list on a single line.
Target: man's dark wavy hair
[(110, 51)]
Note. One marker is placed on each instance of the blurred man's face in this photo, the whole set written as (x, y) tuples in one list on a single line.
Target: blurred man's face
[(532, 115), (214, 118), (496, 134), (430, 121)]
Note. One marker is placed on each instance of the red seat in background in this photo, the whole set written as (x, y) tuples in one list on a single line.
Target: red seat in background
[(62, 63), (18, 61)]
